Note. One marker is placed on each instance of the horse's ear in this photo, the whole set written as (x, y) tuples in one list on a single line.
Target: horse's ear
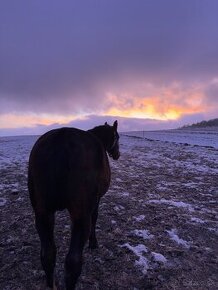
[(105, 123), (115, 125)]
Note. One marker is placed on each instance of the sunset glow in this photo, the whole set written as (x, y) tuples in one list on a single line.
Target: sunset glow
[(31, 120), (149, 64), (170, 104)]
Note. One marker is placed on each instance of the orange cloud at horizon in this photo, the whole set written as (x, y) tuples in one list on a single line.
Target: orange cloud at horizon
[(30, 120), (170, 104)]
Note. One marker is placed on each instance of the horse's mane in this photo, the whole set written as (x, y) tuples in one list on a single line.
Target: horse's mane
[(101, 132)]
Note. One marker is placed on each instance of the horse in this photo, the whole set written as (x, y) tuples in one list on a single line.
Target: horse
[(69, 169)]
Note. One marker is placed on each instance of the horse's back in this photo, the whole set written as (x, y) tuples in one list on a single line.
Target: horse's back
[(68, 167)]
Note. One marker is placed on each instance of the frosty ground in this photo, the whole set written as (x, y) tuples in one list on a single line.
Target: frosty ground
[(157, 226)]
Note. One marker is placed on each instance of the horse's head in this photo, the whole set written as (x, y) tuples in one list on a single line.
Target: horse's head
[(112, 146), (109, 138)]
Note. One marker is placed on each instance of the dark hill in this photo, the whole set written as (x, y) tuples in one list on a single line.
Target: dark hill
[(203, 124)]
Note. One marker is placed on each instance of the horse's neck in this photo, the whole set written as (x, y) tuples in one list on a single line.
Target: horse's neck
[(98, 132)]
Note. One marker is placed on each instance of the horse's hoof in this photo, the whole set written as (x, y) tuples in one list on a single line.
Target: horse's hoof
[(53, 287)]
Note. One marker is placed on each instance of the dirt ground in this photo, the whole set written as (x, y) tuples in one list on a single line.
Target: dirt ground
[(167, 190)]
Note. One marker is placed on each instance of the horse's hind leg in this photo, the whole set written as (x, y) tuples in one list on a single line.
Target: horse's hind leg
[(93, 243), (45, 228), (73, 263)]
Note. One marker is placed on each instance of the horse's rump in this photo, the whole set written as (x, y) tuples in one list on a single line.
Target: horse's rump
[(67, 167)]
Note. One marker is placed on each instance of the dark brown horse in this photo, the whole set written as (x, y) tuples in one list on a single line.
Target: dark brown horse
[(69, 169)]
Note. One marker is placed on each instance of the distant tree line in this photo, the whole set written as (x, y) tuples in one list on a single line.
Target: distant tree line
[(203, 124)]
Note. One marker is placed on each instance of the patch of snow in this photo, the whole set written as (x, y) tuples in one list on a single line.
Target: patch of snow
[(192, 184), (119, 207), (215, 230), (173, 235), (2, 186), (159, 257), (139, 218), (172, 203), (124, 194), (206, 210), (162, 186), (2, 201), (197, 220), (145, 234), (20, 199), (15, 185), (138, 250)]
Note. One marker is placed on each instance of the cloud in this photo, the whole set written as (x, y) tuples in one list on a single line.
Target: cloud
[(154, 64), (163, 102), (137, 100), (88, 122), (211, 93), (64, 58)]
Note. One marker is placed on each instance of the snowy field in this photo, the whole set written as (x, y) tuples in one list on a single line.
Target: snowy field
[(157, 227), (198, 137)]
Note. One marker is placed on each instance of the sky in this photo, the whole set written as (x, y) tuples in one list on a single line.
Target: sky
[(151, 64)]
